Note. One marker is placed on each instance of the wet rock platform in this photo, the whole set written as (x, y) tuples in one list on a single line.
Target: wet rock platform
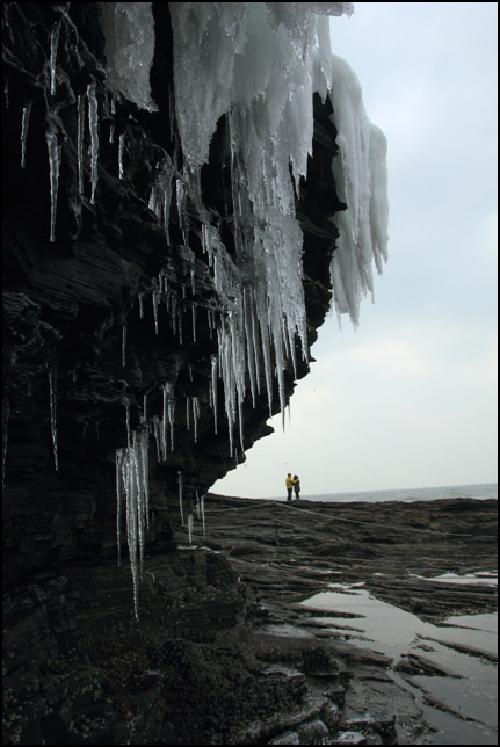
[(306, 623)]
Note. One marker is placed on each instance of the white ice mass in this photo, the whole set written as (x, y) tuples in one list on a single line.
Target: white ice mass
[(129, 34), (257, 64)]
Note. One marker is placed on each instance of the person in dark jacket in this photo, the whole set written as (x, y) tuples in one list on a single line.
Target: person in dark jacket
[(296, 486)]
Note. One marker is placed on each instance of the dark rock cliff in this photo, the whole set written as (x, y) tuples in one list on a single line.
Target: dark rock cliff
[(65, 306)]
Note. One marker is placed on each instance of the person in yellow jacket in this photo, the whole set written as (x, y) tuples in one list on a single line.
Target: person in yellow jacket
[(289, 482)]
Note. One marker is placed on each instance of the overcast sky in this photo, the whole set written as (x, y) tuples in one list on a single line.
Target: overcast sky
[(409, 399)]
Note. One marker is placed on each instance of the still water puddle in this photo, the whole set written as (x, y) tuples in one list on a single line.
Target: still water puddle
[(460, 701)]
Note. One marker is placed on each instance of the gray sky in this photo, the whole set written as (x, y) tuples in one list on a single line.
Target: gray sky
[(409, 399)]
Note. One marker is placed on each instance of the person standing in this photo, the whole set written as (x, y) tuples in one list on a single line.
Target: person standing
[(296, 486), (289, 485)]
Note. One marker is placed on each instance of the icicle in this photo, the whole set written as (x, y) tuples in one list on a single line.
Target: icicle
[(196, 415), (5, 429), (179, 480), (171, 414), (190, 372), (164, 423), (250, 357), (158, 437), (6, 92), (213, 362), (112, 110), (192, 276), (141, 305), (190, 527), (132, 482), (240, 423), (187, 413), (144, 456), (121, 142), (24, 132), (197, 507), (126, 404), (203, 514), (94, 135), (156, 297), (179, 198), (193, 311), (53, 412), (54, 41), (124, 341), (144, 408), (81, 140), (119, 492), (54, 162), (209, 312)]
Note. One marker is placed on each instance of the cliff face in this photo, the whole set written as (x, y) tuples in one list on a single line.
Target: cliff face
[(72, 309), (78, 353)]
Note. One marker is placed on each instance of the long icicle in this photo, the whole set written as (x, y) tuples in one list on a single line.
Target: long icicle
[(24, 132), (203, 514), (94, 136), (53, 412), (119, 493), (54, 163), (54, 41), (121, 143), (124, 341), (81, 141), (179, 478)]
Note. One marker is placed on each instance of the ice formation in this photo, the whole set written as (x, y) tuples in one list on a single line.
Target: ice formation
[(24, 132), (121, 143), (81, 142), (94, 136), (361, 179), (54, 42), (132, 488), (129, 34), (258, 65), (161, 191), (179, 480), (124, 342), (54, 163), (53, 412)]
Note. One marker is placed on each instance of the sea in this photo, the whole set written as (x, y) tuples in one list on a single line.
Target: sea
[(477, 492)]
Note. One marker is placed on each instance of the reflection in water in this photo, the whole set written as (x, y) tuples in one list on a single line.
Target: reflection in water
[(461, 707)]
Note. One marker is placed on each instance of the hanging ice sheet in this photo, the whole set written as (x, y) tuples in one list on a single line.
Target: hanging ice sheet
[(361, 180), (257, 62)]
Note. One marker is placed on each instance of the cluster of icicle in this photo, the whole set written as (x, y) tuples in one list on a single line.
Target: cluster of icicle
[(88, 110), (132, 491), (258, 64)]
